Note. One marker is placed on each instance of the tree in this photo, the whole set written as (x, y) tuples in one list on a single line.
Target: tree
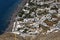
[(25, 30), (18, 29), (20, 13), (20, 19)]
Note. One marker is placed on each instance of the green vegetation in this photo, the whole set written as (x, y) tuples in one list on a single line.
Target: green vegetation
[(54, 8), (18, 29), (30, 3), (21, 19), (25, 31), (27, 8), (28, 16), (45, 29), (20, 13)]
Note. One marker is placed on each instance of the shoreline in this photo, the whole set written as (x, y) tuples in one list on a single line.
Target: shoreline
[(14, 13)]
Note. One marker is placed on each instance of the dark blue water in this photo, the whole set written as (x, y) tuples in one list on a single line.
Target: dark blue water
[(6, 6)]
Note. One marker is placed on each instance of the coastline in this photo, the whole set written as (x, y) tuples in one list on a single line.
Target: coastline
[(14, 13)]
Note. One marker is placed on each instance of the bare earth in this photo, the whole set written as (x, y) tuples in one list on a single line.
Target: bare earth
[(51, 36)]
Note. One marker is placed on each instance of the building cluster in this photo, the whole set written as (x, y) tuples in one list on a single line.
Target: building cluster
[(37, 17)]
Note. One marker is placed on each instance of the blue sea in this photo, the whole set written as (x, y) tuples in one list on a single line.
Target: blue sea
[(6, 7)]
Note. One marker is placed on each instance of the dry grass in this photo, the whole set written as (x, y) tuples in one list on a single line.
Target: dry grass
[(51, 36), (10, 36), (50, 23)]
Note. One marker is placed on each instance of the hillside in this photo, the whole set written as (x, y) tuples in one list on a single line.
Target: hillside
[(10, 36), (51, 36)]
